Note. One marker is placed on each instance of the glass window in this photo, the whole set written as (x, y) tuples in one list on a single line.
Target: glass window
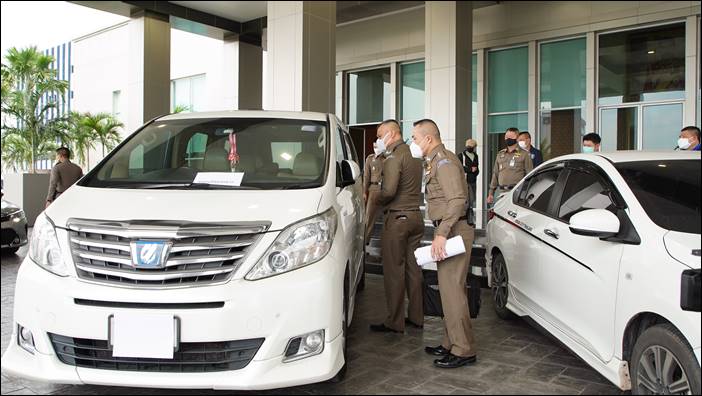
[(583, 191), (369, 96), (561, 132), (188, 94), (340, 149), (619, 128), (661, 126), (642, 65), (116, 103), (411, 96), (160, 154), (338, 96), (668, 190), (562, 74), (474, 93), (538, 195)]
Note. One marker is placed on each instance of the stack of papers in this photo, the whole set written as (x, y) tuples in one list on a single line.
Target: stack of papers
[(454, 247)]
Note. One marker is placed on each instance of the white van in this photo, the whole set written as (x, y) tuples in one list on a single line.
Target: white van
[(208, 250)]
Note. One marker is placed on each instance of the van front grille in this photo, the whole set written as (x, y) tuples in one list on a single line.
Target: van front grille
[(197, 255)]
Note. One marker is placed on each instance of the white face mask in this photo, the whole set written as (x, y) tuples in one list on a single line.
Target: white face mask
[(380, 143), (416, 151), (684, 143), (377, 150), (523, 144)]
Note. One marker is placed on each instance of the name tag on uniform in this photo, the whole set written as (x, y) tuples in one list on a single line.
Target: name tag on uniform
[(511, 163)]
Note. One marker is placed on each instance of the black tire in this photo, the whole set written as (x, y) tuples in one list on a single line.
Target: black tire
[(474, 296), (10, 250), (660, 348), (500, 289), (345, 331)]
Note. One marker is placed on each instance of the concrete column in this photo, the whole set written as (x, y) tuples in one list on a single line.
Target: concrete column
[(481, 137), (590, 83), (533, 105), (448, 48), (149, 67), (301, 42), (242, 70), (691, 71)]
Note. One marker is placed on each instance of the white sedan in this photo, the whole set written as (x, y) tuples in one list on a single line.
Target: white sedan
[(603, 251)]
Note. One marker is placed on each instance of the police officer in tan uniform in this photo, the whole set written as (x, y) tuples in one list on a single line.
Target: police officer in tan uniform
[(446, 193), (400, 193), (372, 175), (511, 165)]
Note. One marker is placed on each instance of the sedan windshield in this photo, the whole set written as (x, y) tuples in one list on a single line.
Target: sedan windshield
[(222, 153), (668, 190)]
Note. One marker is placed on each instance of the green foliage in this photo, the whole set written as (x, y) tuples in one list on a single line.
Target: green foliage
[(30, 135)]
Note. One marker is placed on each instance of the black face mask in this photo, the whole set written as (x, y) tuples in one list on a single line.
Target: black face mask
[(510, 142), (470, 149)]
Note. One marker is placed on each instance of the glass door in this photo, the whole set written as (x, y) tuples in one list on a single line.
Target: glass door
[(641, 127), (661, 126), (619, 128)]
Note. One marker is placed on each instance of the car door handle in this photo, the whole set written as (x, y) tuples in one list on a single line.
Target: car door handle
[(551, 233), (512, 214)]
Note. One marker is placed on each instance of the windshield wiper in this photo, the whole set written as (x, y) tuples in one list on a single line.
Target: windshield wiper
[(182, 186), (300, 186)]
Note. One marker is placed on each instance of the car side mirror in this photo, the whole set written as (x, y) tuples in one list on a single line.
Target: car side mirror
[(599, 223), (350, 171)]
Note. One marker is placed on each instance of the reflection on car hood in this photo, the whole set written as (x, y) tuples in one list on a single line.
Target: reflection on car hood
[(281, 208), (8, 207), (681, 246)]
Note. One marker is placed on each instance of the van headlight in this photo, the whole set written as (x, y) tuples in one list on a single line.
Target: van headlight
[(299, 245), (44, 248)]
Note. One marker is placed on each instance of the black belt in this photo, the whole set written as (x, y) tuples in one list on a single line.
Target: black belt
[(506, 187), (400, 210), (437, 223)]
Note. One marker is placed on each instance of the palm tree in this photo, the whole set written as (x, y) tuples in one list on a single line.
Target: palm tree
[(105, 128), (80, 138), (181, 108), (27, 77)]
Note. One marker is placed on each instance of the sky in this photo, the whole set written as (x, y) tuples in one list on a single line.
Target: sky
[(48, 23)]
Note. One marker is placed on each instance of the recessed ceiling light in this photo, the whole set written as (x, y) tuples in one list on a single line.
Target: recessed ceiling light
[(652, 52)]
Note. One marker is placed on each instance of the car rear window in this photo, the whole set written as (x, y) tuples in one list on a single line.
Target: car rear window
[(668, 190)]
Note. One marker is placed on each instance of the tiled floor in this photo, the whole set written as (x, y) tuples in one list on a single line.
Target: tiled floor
[(513, 357)]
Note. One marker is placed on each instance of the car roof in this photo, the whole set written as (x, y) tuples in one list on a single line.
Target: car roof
[(294, 115), (632, 156)]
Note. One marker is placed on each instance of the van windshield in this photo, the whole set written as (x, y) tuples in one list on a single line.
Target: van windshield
[(218, 153)]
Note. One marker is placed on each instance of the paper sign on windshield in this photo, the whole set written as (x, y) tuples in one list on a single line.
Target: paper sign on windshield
[(220, 178)]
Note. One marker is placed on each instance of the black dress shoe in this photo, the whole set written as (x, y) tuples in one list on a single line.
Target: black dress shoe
[(437, 351), (381, 328), (453, 361), (412, 324)]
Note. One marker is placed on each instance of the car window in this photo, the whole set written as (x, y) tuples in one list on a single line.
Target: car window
[(340, 149), (195, 151), (668, 190), (350, 149), (537, 195), (583, 190)]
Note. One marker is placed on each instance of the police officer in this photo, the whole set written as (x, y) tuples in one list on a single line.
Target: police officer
[(63, 175), (372, 173), (402, 231), (446, 193), (511, 165)]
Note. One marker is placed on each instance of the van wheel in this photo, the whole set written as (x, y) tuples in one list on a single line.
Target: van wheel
[(663, 363), (474, 297), (344, 330), (500, 288)]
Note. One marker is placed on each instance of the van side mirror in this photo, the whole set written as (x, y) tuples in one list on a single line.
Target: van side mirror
[(350, 171), (599, 223)]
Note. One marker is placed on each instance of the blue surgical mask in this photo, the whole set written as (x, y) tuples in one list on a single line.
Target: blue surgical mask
[(588, 149)]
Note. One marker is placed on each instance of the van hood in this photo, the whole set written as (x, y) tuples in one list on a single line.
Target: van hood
[(280, 208), (683, 247)]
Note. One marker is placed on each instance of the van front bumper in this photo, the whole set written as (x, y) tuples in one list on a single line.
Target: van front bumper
[(276, 309)]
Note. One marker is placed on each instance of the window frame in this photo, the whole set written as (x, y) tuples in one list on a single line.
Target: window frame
[(557, 189)]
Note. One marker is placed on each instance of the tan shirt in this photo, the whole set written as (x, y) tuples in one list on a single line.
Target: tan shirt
[(372, 173), (510, 168), (447, 189), (63, 175), (402, 179)]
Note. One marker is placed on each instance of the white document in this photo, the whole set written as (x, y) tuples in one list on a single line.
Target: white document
[(143, 335), (220, 178), (454, 247)]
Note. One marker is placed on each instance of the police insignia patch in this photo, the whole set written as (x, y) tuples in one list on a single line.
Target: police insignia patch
[(442, 162)]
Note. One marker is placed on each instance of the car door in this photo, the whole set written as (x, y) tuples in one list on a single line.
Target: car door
[(580, 273), (530, 214)]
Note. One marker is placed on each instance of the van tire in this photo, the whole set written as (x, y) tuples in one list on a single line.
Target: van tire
[(500, 287), (661, 340), (344, 331)]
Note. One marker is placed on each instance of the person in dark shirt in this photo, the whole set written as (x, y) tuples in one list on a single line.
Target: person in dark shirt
[(524, 140), (469, 160)]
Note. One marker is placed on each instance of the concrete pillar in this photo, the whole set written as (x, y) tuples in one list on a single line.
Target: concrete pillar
[(691, 71), (301, 44), (448, 48), (242, 72), (149, 67)]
